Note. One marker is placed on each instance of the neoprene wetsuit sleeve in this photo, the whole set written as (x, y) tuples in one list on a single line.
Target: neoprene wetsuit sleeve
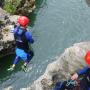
[(13, 30), (29, 37), (83, 71)]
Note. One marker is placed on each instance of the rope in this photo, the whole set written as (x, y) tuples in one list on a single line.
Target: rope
[(73, 82)]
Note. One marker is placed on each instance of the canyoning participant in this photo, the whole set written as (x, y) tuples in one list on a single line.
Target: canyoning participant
[(85, 82), (79, 81), (22, 38)]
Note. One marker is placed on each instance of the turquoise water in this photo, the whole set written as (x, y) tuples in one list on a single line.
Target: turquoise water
[(55, 26)]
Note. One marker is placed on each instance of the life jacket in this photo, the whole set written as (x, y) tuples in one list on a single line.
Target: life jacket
[(21, 40)]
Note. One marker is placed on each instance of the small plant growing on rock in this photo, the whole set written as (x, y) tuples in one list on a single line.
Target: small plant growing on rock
[(11, 5)]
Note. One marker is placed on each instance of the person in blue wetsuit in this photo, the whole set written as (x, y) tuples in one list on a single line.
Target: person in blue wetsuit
[(85, 82), (22, 38)]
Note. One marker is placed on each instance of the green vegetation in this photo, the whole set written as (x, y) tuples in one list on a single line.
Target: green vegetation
[(11, 5), (1, 22)]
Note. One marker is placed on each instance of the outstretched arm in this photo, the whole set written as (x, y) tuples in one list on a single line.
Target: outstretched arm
[(29, 37)]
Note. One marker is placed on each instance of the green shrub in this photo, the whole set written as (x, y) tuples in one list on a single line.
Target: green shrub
[(11, 5)]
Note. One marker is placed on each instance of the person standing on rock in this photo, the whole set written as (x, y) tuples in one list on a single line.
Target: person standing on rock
[(22, 38), (85, 82)]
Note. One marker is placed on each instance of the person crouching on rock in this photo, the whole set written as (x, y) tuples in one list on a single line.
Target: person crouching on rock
[(85, 82), (22, 38)]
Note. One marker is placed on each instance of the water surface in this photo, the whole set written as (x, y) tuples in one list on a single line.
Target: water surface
[(55, 26)]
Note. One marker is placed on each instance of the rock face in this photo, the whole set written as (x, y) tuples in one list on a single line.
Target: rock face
[(19, 6), (62, 68), (7, 21), (26, 6), (6, 37)]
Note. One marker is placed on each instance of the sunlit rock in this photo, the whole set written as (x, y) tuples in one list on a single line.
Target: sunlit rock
[(7, 22)]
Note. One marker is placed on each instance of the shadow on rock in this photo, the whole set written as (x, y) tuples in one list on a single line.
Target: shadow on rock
[(88, 2)]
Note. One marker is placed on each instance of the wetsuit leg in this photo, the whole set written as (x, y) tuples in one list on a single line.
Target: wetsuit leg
[(88, 84), (30, 56), (16, 60), (60, 86), (84, 84)]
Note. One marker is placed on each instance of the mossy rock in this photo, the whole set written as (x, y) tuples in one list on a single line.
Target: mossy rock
[(11, 5), (1, 22)]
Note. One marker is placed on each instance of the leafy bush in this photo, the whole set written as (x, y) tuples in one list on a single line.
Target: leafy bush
[(11, 5)]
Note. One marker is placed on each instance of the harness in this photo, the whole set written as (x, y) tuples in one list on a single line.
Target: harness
[(21, 40)]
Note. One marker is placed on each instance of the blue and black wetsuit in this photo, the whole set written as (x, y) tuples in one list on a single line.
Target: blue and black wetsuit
[(22, 37), (85, 83)]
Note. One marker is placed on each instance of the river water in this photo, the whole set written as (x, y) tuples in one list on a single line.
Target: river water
[(55, 26)]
